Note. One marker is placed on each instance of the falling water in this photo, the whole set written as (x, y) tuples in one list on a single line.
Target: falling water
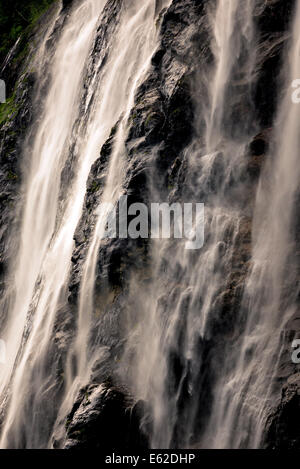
[(175, 310), (129, 63), (50, 216), (232, 26), (247, 393), (174, 318), (46, 234)]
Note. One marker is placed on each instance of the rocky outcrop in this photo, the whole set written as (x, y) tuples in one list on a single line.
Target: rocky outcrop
[(104, 417)]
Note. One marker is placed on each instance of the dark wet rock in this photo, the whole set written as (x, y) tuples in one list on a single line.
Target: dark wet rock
[(283, 432), (67, 3), (225, 319), (275, 16), (258, 149), (273, 20), (161, 125), (260, 143), (282, 428), (161, 128), (16, 61), (105, 417), (12, 134), (17, 114)]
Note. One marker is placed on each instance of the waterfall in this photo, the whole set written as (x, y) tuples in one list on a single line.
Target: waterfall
[(47, 228), (233, 30), (248, 391), (128, 66), (51, 213), (175, 311), (200, 333)]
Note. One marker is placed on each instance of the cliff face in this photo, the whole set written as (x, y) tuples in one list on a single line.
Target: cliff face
[(167, 114)]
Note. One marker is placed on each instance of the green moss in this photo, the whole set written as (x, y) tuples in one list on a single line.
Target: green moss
[(12, 176), (152, 119), (132, 118), (149, 118), (22, 54), (86, 398), (8, 109), (176, 112), (17, 17), (68, 422), (95, 187)]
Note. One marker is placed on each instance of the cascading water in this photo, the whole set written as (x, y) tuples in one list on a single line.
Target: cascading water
[(232, 31), (246, 393), (128, 67), (46, 234), (172, 332), (49, 221), (203, 366)]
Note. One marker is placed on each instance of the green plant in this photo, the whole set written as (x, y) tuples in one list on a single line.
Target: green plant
[(17, 17), (8, 109)]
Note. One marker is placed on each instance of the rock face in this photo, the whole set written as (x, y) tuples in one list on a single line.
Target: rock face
[(16, 117), (163, 118), (103, 417), (11, 133), (283, 431)]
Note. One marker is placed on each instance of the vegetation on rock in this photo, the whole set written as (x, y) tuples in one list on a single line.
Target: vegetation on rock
[(16, 18)]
